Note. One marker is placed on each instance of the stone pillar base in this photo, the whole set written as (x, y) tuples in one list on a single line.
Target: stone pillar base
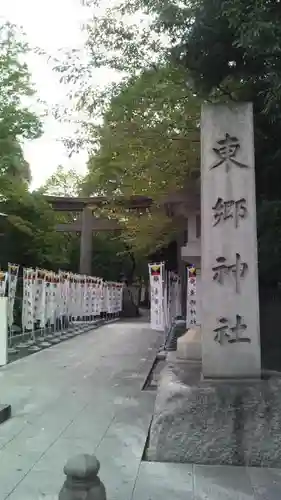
[(227, 423), (189, 346)]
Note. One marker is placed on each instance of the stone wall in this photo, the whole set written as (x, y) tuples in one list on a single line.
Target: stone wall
[(216, 423)]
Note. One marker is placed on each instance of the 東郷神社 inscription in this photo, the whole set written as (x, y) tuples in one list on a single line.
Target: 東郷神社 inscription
[(226, 150), (230, 209), (222, 269), (230, 334), (229, 245)]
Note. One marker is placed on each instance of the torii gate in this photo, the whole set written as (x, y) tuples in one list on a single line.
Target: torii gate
[(179, 205), (87, 222)]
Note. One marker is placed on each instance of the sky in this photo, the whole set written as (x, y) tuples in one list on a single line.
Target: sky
[(50, 25)]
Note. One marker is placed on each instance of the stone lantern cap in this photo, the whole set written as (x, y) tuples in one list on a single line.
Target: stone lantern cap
[(82, 466)]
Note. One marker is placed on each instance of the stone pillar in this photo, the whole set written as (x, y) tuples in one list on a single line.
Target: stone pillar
[(3, 331), (86, 242), (82, 481), (198, 296), (230, 305), (191, 227), (182, 272), (5, 410), (194, 242)]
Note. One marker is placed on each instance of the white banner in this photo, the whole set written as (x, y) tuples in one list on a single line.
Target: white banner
[(174, 296), (156, 278), (98, 297), (13, 271), (28, 299), (50, 296), (104, 298), (191, 316), (119, 296), (3, 283), (40, 298), (142, 293)]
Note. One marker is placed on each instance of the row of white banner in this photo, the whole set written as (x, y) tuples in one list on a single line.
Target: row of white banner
[(48, 296), (165, 297)]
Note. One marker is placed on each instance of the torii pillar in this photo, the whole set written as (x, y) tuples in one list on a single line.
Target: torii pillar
[(85, 225), (86, 242)]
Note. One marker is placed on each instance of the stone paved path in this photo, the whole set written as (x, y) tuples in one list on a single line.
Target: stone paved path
[(85, 396)]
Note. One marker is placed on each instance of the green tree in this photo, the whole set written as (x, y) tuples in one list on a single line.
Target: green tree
[(233, 52), (17, 122), (149, 139), (108, 247), (230, 51), (111, 258), (149, 146), (122, 44), (28, 235), (63, 182)]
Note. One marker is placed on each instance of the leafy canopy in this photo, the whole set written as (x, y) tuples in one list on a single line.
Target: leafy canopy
[(149, 140), (230, 50), (63, 182), (31, 223), (27, 233), (149, 145), (17, 122), (142, 129)]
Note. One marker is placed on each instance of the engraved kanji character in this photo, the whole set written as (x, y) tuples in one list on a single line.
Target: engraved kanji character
[(226, 150)]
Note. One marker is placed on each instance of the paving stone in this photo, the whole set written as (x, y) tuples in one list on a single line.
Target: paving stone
[(51, 424), (87, 425), (222, 483), (9, 480), (39, 443), (11, 428), (66, 403), (14, 466), (128, 431), (158, 481), (266, 483), (57, 455), (39, 485), (130, 444), (118, 474)]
